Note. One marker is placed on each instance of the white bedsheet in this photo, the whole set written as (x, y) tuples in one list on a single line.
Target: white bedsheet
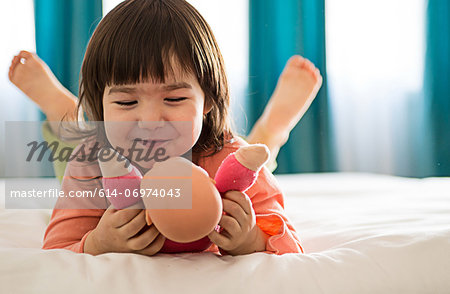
[(362, 233)]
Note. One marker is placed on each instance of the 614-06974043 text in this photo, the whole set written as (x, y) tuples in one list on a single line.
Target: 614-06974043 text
[(108, 193)]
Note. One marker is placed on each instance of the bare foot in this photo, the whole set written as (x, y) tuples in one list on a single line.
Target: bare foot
[(296, 89), (34, 78)]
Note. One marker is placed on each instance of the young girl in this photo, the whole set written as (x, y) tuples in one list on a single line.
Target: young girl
[(158, 61), (296, 89)]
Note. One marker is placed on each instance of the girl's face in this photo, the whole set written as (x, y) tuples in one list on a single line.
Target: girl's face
[(150, 119)]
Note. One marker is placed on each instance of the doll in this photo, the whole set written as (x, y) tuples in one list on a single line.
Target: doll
[(185, 230)]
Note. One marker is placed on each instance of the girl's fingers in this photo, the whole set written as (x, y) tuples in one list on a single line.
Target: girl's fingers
[(154, 247), (240, 198), (123, 216), (143, 240), (134, 226), (236, 211), (220, 240), (230, 224)]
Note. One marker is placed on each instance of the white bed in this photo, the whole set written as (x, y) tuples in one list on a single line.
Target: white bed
[(362, 233)]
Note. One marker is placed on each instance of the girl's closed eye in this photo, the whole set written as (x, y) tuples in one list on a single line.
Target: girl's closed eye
[(126, 103), (175, 99)]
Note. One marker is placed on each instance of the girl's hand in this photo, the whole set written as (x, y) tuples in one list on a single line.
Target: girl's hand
[(240, 233), (118, 231)]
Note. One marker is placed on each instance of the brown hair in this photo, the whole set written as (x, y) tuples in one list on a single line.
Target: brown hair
[(139, 40)]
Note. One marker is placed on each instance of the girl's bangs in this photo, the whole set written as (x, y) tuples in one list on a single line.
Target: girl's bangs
[(157, 47)]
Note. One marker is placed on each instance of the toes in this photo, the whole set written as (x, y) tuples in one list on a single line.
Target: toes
[(297, 64), (14, 61), (317, 73), (293, 65), (296, 60), (319, 78), (25, 54), (12, 67), (302, 62), (309, 65)]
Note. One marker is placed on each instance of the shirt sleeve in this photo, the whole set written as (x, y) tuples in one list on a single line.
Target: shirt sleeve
[(73, 218), (69, 228), (268, 203)]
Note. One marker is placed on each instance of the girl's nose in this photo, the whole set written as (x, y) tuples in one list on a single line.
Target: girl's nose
[(150, 125), (151, 118)]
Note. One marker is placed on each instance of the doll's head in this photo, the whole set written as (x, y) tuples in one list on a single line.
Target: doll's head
[(181, 200), (151, 62)]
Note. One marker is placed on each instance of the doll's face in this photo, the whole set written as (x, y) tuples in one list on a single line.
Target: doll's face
[(151, 116)]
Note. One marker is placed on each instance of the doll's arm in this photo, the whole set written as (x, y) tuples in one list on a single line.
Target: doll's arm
[(121, 180), (239, 170)]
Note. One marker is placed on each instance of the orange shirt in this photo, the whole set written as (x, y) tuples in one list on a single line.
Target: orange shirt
[(68, 228)]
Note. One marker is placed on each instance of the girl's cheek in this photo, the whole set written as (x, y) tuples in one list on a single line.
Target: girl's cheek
[(106, 113), (181, 114), (111, 114)]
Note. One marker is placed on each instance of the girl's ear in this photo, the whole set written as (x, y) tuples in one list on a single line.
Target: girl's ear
[(207, 107)]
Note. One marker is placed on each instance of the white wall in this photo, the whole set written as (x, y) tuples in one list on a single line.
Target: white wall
[(16, 33)]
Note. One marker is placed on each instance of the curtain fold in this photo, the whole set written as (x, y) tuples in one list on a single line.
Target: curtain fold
[(278, 30), (437, 84), (63, 29)]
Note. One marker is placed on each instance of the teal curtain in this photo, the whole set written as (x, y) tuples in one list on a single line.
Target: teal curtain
[(278, 30), (63, 29), (437, 84)]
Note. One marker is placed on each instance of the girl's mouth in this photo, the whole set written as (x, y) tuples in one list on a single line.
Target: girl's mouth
[(153, 143)]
